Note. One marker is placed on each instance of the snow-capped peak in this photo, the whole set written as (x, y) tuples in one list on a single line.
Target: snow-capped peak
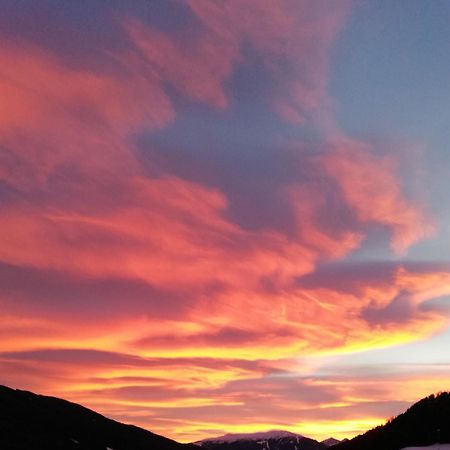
[(330, 442), (262, 435)]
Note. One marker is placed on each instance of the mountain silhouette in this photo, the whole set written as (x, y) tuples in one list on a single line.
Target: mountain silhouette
[(35, 422), (425, 423)]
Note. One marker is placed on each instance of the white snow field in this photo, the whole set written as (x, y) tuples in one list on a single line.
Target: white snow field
[(430, 447)]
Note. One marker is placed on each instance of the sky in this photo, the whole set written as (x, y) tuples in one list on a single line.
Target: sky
[(226, 216)]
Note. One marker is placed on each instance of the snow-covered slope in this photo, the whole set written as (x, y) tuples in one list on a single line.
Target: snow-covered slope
[(430, 447)]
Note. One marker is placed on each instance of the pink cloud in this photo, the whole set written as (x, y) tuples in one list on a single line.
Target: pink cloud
[(293, 47), (372, 189), (197, 69), (55, 115)]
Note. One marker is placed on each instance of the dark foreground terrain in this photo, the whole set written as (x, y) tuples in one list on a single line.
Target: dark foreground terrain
[(35, 422)]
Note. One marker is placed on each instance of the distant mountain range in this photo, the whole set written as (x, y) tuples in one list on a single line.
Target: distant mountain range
[(35, 422), (269, 440)]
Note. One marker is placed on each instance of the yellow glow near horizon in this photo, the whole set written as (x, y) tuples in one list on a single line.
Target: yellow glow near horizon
[(319, 430)]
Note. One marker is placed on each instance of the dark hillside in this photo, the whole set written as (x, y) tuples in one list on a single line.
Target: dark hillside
[(427, 422), (36, 422)]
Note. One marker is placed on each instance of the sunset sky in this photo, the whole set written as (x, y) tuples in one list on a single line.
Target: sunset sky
[(226, 215)]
